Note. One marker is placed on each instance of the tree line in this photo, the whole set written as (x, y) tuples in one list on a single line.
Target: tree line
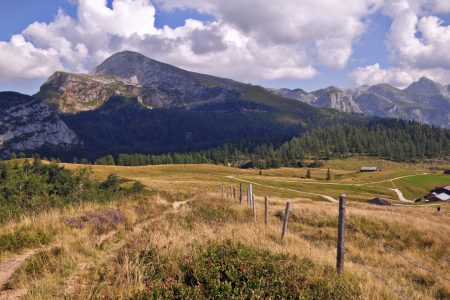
[(397, 140)]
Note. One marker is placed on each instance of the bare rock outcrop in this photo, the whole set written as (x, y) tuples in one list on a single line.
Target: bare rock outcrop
[(27, 123)]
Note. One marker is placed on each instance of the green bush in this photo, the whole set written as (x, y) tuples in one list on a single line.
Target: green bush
[(235, 271), (23, 238)]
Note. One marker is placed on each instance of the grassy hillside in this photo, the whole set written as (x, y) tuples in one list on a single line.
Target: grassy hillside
[(183, 240)]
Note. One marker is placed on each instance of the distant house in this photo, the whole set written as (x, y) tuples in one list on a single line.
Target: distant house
[(441, 189), (447, 172), (433, 197), (379, 201), (369, 169)]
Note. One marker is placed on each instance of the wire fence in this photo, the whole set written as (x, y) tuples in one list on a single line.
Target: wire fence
[(347, 252)]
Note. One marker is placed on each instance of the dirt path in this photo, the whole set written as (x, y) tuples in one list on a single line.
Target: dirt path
[(8, 268), (331, 199), (399, 193), (350, 184), (395, 189), (73, 283), (177, 206), (400, 196)]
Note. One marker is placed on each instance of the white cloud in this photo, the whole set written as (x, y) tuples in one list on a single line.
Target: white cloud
[(413, 55), (251, 40), (19, 59)]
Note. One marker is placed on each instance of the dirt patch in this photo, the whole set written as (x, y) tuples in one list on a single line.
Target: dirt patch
[(12, 294), (73, 283)]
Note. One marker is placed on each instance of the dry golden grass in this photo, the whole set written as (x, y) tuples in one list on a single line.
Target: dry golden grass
[(174, 240), (420, 233)]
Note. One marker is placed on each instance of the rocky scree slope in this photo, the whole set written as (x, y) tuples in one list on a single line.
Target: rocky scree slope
[(155, 84), (28, 124), (424, 101)]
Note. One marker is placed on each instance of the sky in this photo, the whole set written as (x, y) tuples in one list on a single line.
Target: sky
[(280, 44)]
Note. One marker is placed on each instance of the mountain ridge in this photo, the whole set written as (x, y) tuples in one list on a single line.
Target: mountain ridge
[(424, 101)]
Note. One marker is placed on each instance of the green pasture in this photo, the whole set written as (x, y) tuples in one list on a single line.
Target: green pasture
[(418, 186)]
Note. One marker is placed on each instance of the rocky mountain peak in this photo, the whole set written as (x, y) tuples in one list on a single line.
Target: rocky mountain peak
[(426, 86), (140, 69)]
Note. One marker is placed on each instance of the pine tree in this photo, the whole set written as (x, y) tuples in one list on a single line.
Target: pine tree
[(328, 174), (308, 174)]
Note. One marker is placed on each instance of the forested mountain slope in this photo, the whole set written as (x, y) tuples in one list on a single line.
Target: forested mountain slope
[(131, 103)]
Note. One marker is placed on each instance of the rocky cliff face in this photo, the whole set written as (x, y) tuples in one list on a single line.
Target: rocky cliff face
[(28, 124), (424, 101), (427, 86), (331, 97), (155, 85)]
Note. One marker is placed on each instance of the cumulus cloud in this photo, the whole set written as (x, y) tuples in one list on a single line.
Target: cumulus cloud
[(413, 55), (251, 40)]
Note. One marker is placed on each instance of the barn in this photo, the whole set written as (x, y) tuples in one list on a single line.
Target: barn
[(379, 201)]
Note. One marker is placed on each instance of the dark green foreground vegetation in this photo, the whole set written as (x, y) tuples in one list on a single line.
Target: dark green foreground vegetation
[(33, 188), (235, 271)]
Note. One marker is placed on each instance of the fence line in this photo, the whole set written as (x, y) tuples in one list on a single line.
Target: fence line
[(346, 252), (284, 229), (370, 237)]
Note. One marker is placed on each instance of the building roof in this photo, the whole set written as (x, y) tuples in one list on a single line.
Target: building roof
[(443, 196), (445, 187), (369, 168), (379, 201)]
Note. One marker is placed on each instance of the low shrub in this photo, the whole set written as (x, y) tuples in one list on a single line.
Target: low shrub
[(24, 238), (234, 271), (102, 221)]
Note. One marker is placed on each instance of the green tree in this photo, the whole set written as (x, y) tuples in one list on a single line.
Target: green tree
[(37, 163), (328, 174), (112, 183), (7, 171), (13, 156), (26, 167), (110, 160), (21, 155), (308, 174)]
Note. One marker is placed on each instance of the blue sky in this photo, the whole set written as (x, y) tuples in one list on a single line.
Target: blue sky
[(299, 44)]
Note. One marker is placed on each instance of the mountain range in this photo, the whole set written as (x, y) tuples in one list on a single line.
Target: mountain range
[(134, 104), (424, 101)]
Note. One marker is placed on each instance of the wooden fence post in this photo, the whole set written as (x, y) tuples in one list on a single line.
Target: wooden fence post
[(227, 195), (254, 207), (266, 213), (240, 194), (250, 192), (341, 235), (234, 193), (286, 216), (231, 191), (223, 190)]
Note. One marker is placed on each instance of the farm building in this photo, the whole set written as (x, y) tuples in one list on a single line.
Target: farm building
[(379, 201), (441, 189), (433, 197), (369, 169)]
